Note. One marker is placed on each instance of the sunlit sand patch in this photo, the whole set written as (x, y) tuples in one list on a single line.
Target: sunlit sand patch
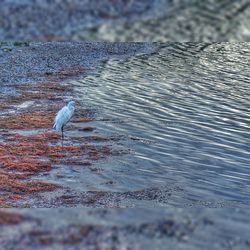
[(25, 104)]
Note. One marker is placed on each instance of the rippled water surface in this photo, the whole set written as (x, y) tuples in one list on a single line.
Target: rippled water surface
[(183, 115)]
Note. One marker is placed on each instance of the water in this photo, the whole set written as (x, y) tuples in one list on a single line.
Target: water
[(183, 112)]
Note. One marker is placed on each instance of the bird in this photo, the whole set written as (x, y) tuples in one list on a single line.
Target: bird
[(63, 116)]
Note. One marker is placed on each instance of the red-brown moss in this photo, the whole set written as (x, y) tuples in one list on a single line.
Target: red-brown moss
[(26, 164), (44, 87), (13, 184), (27, 96), (40, 137), (65, 73), (24, 156), (28, 120), (9, 218)]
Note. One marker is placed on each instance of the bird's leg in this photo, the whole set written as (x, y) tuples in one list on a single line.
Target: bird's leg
[(62, 136), (62, 133)]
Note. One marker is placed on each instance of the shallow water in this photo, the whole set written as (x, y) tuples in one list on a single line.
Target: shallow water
[(183, 113)]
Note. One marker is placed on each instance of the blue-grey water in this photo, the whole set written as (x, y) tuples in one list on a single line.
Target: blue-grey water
[(183, 115)]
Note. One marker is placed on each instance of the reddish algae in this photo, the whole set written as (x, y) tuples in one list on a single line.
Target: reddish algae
[(23, 156)]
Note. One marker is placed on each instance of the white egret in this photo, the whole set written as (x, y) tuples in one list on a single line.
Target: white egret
[(63, 116)]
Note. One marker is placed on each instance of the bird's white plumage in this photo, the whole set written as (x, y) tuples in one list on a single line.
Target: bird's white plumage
[(64, 115)]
